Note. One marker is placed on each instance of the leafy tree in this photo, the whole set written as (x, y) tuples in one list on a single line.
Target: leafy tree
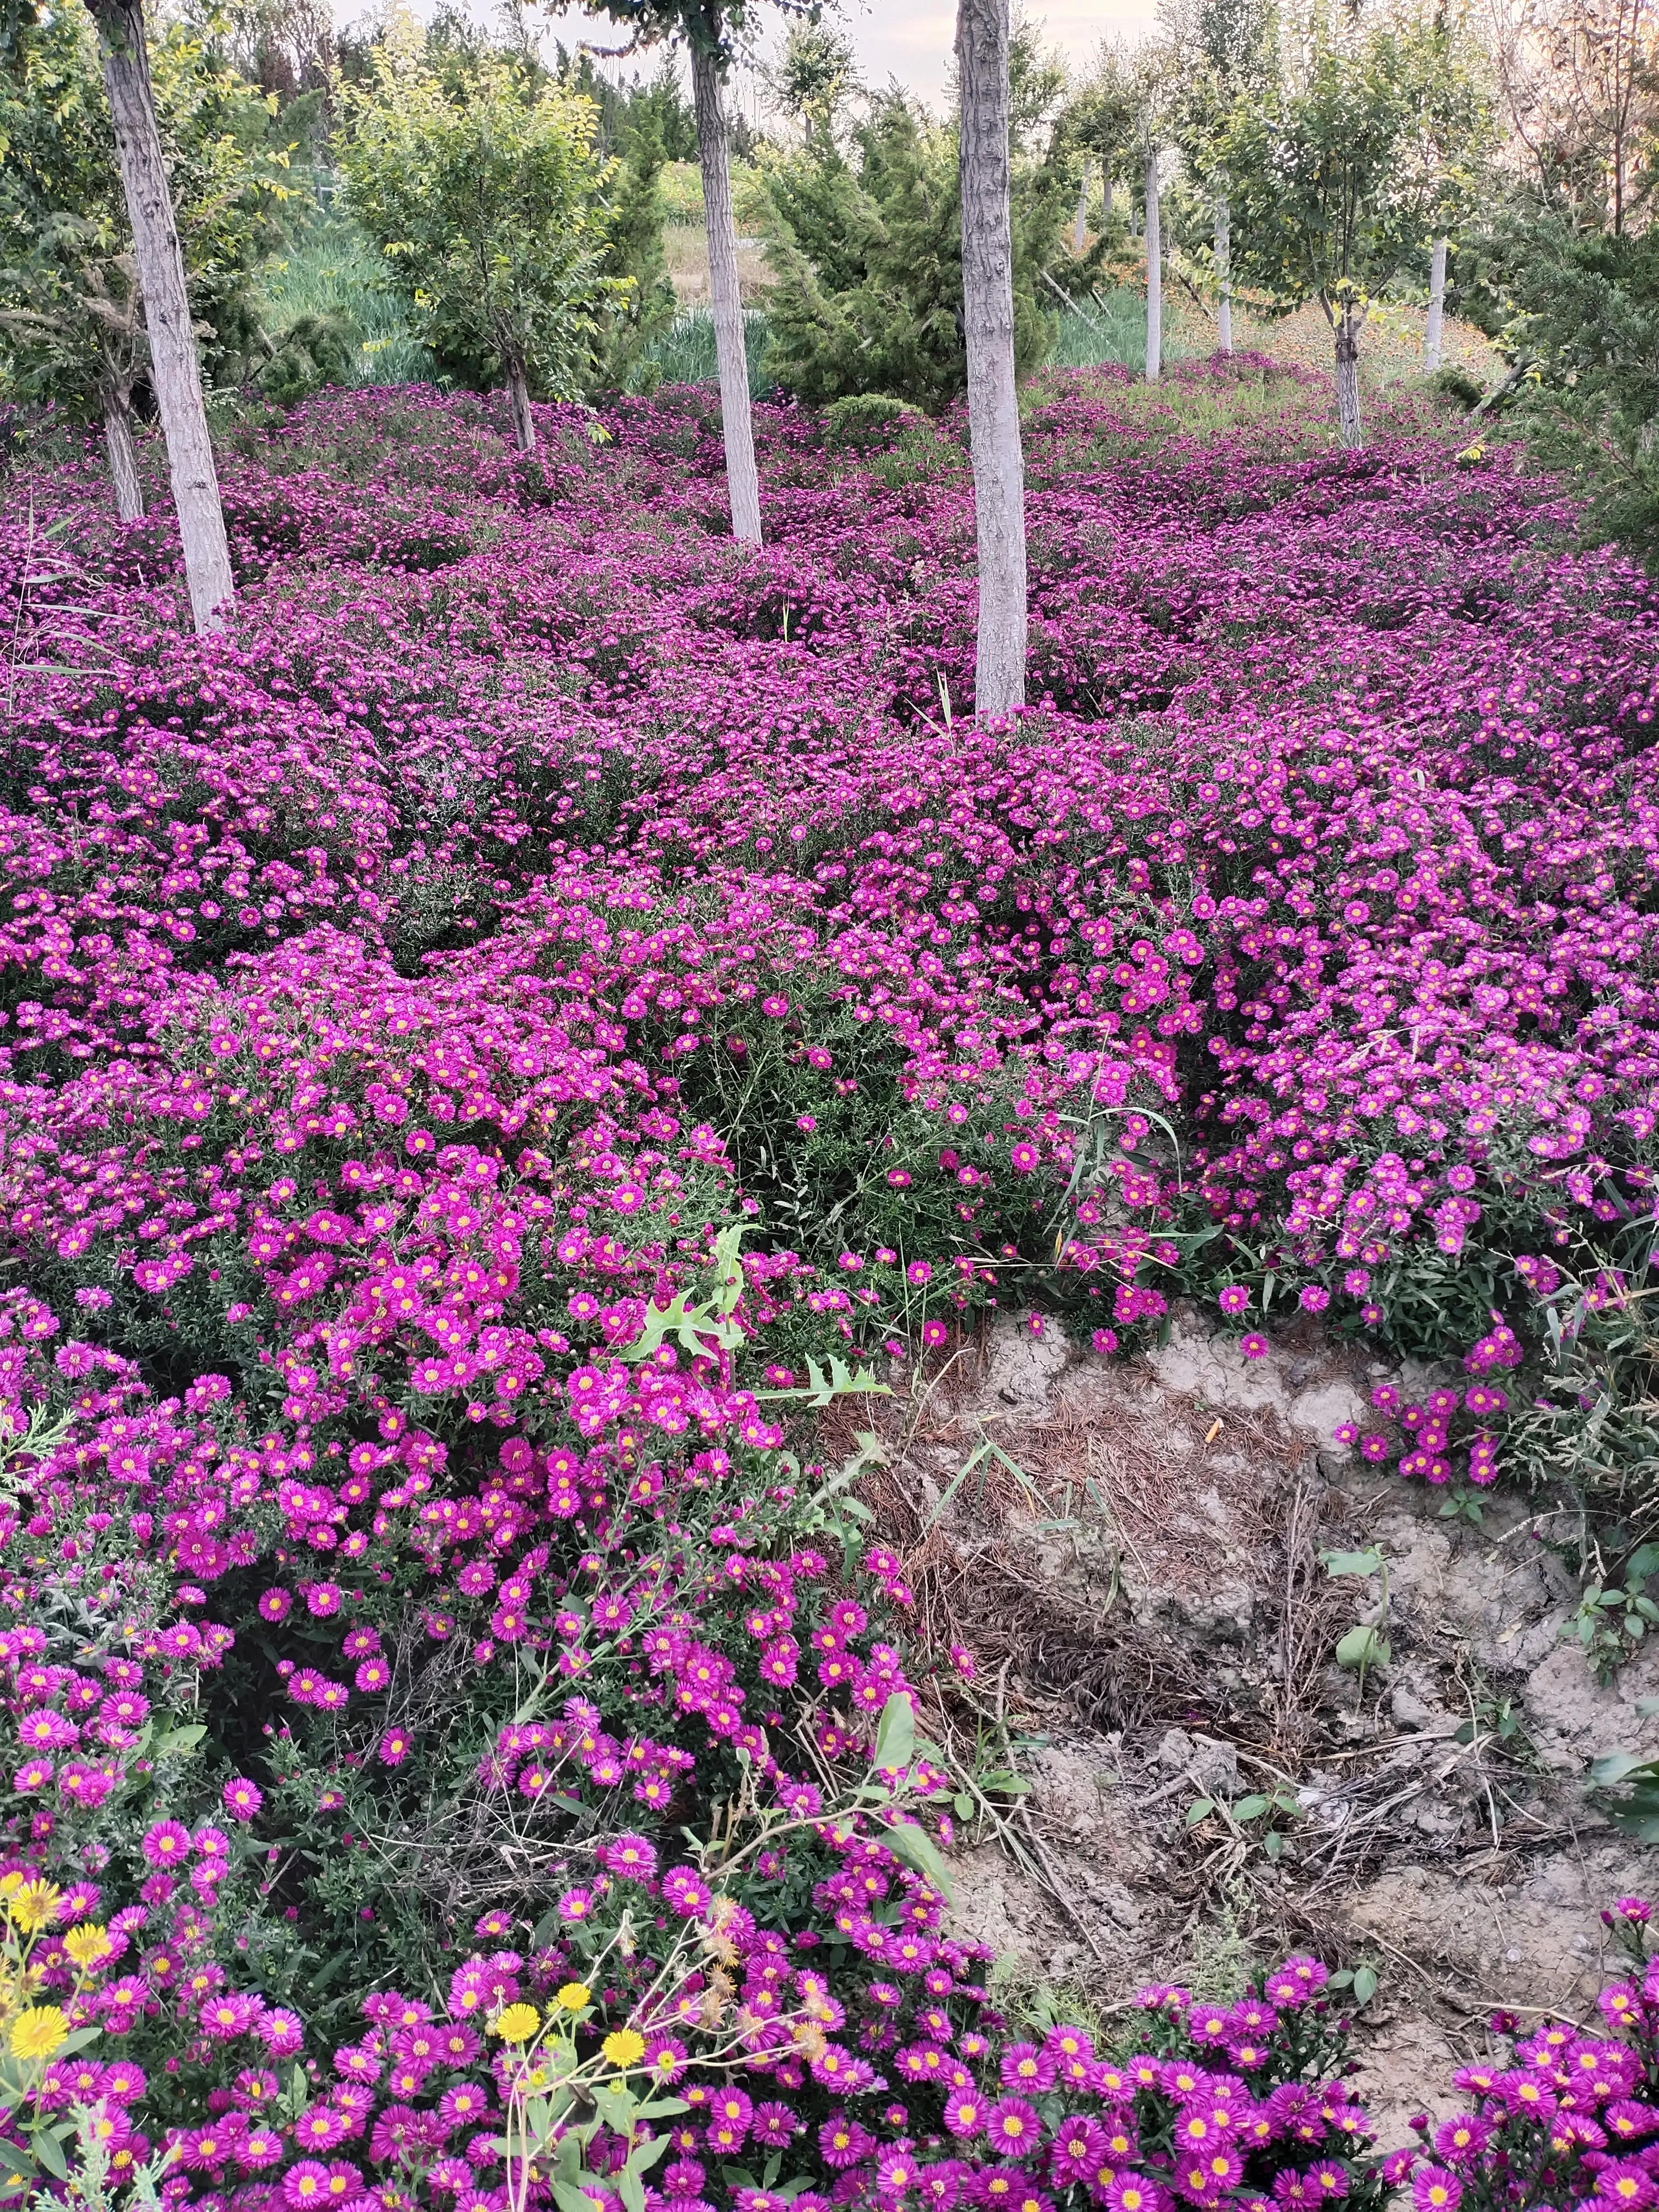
[(73, 322), (644, 305), (482, 199), (1333, 191), (1222, 52)]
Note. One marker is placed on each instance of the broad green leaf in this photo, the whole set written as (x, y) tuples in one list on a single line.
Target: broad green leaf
[(896, 1732), (1251, 1808), (1364, 1984), (918, 1849), (49, 2152), (1199, 1809), (1363, 1646), (1353, 1563), (180, 1741)]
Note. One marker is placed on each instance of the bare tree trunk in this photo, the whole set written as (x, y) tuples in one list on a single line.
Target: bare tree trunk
[(1081, 222), (119, 453), (742, 478), (1347, 381), (1154, 274), (175, 370), (988, 299), (1431, 328), (1223, 269), (523, 422)]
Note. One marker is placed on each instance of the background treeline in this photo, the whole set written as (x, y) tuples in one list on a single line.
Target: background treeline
[(483, 207)]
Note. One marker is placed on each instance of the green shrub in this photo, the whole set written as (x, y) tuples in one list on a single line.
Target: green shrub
[(866, 422)]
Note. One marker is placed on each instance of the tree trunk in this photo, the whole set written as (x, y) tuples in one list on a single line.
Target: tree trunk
[(988, 299), (1223, 269), (175, 371), (1347, 381), (123, 460), (523, 422), (742, 480), (1080, 221), (1431, 328), (1154, 274)]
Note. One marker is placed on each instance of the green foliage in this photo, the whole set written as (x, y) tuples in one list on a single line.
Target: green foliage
[(1583, 323), (330, 273), (69, 326), (1338, 178), (482, 197), (313, 351), (641, 312), (865, 420), (866, 251), (1457, 386)]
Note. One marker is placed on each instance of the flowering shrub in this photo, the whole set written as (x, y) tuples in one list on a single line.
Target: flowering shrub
[(550, 998), (1566, 2117)]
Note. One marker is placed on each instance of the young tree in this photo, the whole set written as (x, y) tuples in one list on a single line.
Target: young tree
[(175, 370), (988, 295), (1328, 185), (1219, 51), (482, 200)]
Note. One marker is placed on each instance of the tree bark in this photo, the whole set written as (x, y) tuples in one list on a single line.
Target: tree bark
[(175, 370), (1154, 273), (523, 422), (988, 299), (1081, 222), (1349, 429), (1224, 268), (742, 478), (1431, 328), (122, 460)]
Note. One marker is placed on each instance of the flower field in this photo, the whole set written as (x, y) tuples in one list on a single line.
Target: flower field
[(548, 1001)]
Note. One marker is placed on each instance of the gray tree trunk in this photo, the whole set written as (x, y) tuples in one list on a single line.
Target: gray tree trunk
[(988, 299), (175, 371), (1349, 429), (123, 460), (742, 478), (1223, 269), (1081, 222), (1154, 274), (1431, 329), (523, 422)]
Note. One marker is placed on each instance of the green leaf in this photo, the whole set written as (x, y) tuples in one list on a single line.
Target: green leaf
[(1353, 1563), (49, 2152), (1363, 1646), (1274, 1842), (1364, 1984), (631, 2188), (1251, 1808), (299, 2089), (896, 1732), (569, 2198), (1618, 1767), (1199, 1809), (963, 1806), (179, 1742), (918, 1849)]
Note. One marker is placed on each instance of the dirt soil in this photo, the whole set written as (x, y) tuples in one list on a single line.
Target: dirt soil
[(1131, 1552)]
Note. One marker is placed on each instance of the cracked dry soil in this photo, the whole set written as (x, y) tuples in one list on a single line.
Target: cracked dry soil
[(1132, 1555)]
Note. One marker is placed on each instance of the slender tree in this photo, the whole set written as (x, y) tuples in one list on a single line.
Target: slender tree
[(480, 196), (1153, 156), (711, 30), (1220, 55), (175, 369), (1433, 326), (987, 292)]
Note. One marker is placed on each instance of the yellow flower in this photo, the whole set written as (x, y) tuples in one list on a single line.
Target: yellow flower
[(574, 1995), (624, 2047), (33, 1906), (89, 1946), (516, 2024), (39, 2032)]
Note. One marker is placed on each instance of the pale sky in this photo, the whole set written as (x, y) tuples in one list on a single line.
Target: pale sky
[(909, 39)]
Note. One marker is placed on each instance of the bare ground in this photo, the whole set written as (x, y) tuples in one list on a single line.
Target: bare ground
[(1131, 1552)]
